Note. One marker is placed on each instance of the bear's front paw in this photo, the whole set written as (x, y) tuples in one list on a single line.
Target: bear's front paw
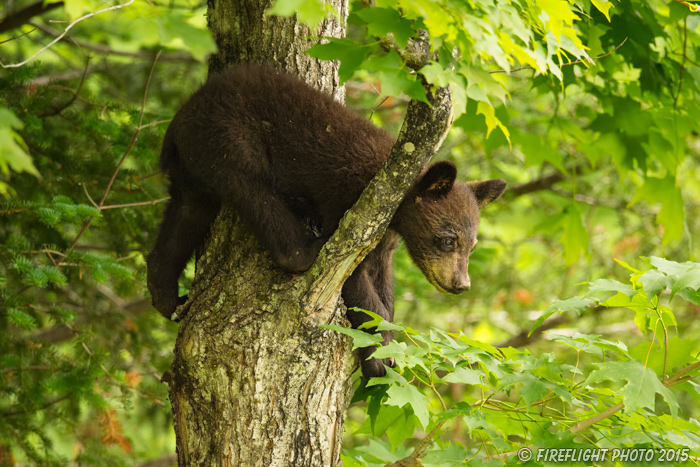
[(374, 367), (168, 307)]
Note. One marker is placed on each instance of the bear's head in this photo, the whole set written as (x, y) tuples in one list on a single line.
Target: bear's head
[(438, 221)]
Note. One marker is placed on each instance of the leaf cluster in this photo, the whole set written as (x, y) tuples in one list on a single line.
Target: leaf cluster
[(478, 404)]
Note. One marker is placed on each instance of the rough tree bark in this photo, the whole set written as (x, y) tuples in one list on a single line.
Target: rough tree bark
[(255, 381)]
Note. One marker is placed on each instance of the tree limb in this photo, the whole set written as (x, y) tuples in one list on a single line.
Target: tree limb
[(423, 130), (524, 337), (415, 55), (18, 18), (543, 183)]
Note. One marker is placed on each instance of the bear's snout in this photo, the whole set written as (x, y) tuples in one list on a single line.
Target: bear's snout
[(461, 284)]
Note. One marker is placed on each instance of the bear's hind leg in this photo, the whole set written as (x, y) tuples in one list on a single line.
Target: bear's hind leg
[(186, 222), (360, 291), (288, 238)]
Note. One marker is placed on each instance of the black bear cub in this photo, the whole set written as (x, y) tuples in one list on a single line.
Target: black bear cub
[(291, 161)]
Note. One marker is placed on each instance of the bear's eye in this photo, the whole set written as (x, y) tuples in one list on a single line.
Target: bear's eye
[(448, 243)]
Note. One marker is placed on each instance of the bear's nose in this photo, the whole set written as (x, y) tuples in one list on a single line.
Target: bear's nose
[(461, 285)]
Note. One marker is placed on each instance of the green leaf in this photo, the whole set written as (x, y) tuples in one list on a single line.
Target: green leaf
[(603, 6), (481, 85), (309, 12), (689, 280), (610, 285), (452, 455), (538, 150), (350, 53), (641, 386), (575, 236), (395, 77), (693, 296), (590, 343), (13, 154), (653, 281), (400, 395), (577, 304), (558, 15), (382, 21), (359, 338), (670, 268), (76, 8), (671, 215), (436, 75), (532, 389), (392, 376), (377, 321), (175, 30), (464, 375), (680, 352), (485, 109)]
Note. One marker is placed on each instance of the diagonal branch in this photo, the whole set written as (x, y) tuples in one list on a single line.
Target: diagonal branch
[(23, 16), (423, 130), (544, 183)]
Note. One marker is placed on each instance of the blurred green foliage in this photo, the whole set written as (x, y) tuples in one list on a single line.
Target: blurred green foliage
[(602, 157)]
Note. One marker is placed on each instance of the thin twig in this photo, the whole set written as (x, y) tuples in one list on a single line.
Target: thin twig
[(119, 165), (65, 31), (672, 380), (157, 122), (89, 197), (14, 38), (377, 106), (596, 418), (129, 205), (13, 211), (565, 64), (45, 406), (418, 451), (136, 134)]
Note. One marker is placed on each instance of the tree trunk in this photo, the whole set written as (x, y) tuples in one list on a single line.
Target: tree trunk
[(255, 381)]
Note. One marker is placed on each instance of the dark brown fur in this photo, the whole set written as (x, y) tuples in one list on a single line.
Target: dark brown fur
[(291, 161)]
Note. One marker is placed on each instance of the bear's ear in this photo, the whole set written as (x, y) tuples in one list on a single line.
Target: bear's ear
[(437, 180), (488, 190)]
